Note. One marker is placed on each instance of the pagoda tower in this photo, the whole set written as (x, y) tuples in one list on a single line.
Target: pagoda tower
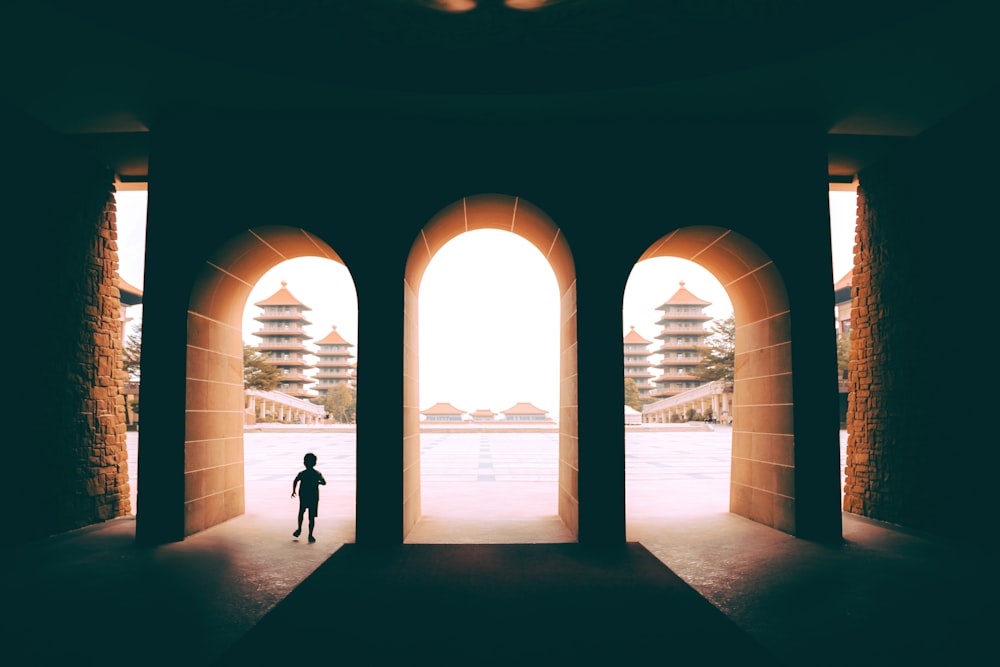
[(335, 365), (283, 337), (683, 335), (636, 349)]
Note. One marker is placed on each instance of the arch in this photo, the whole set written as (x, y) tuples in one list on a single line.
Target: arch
[(214, 407), (762, 484), (512, 214)]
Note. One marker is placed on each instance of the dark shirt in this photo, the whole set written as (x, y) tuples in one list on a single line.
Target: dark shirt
[(309, 481)]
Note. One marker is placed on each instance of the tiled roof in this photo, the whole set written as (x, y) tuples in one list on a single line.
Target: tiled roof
[(442, 409), (482, 412), (130, 295), (845, 281), (633, 337), (524, 409), (333, 338), (282, 298), (684, 297)]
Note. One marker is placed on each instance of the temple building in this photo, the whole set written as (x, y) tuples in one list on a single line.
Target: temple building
[(636, 351), (129, 295), (683, 334), (442, 412), (483, 415), (283, 338), (335, 365), (525, 412)]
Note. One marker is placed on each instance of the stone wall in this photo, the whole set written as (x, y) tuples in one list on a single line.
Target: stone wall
[(68, 464), (872, 448), (922, 445), (90, 450), (101, 384)]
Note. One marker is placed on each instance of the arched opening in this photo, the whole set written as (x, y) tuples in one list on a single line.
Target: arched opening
[(301, 321), (489, 383), (678, 440), (510, 214), (762, 482), (215, 409)]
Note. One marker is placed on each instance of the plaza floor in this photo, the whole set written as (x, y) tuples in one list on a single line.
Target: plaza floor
[(492, 487)]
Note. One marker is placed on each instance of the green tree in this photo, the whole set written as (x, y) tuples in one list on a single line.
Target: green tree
[(257, 373), (632, 398), (718, 356), (132, 353), (843, 353), (341, 403)]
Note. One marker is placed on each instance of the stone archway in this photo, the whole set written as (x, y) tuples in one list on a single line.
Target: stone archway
[(214, 407), (507, 213), (762, 484)]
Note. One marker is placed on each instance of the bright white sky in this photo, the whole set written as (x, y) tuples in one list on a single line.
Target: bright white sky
[(489, 306)]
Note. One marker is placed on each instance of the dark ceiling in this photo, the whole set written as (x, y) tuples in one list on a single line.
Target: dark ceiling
[(873, 73)]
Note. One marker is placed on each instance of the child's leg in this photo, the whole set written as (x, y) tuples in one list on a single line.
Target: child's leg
[(312, 521), (298, 531)]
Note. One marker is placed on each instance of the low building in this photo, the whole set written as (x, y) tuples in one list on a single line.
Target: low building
[(525, 412), (261, 407), (483, 415), (842, 302), (443, 412)]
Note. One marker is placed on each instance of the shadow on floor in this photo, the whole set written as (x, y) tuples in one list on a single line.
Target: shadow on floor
[(499, 604), (883, 596)]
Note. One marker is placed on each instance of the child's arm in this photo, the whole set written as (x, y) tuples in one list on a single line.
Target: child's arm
[(294, 484), (322, 480)]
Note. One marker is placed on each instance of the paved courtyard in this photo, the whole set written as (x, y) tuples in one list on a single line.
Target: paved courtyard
[(469, 477)]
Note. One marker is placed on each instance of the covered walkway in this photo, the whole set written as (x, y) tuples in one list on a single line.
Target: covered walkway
[(274, 406), (716, 397)]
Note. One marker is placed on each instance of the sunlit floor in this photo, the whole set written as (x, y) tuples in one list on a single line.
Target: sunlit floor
[(497, 488)]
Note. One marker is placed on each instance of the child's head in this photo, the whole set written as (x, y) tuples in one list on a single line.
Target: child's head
[(309, 459)]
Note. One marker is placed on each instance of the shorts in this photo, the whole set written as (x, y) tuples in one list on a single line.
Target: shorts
[(310, 504)]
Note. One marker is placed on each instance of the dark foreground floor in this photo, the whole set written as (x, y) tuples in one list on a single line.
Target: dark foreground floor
[(499, 604), (245, 592)]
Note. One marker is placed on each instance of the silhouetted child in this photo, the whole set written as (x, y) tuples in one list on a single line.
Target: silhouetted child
[(308, 482)]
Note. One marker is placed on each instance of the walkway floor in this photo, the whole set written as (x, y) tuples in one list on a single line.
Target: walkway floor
[(882, 596)]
